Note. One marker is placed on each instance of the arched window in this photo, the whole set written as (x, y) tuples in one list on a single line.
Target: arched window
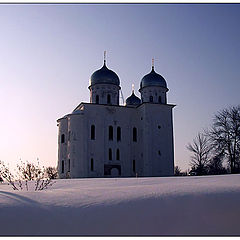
[(151, 99), (118, 134), (69, 165), (118, 155), (97, 99), (92, 132), (62, 166), (110, 154), (108, 99), (69, 135), (110, 132), (62, 138), (159, 99), (92, 164), (134, 166), (135, 134)]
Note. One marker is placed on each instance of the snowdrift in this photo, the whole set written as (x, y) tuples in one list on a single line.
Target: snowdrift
[(175, 206)]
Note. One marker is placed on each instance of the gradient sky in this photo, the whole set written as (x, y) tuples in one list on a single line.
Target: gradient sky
[(48, 53)]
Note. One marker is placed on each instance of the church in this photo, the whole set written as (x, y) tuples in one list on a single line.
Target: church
[(105, 139)]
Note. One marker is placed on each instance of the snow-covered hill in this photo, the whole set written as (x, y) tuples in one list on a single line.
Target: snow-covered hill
[(208, 205)]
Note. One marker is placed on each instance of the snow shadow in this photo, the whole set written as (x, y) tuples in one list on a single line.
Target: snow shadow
[(18, 197)]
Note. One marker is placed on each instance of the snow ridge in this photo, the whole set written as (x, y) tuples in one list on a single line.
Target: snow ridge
[(207, 205)]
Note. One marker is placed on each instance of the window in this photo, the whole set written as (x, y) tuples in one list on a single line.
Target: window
[(69, 165), (108, 99), (110, 154), (118, 134), (159, 99), (134, 166), (118, 155), (92, 164), (97, 99), (69, 135), (159, 127), (110, 132), (151, 99), (62, 166), (135, 134), (62, 138), (92, 132), (159, 152)]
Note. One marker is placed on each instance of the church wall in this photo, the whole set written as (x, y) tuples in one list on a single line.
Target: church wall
[(94, 148), (158, 140), (154, 133), (146, 146), (102, 117), (76, 153), (153, 151)]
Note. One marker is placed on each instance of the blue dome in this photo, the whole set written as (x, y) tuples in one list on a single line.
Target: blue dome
[(104, 75), (153, 79), (133, 100)]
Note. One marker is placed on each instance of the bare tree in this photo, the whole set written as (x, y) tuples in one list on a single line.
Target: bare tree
[(224, 135), (177, 171), (215, 165), (200, 149), (29, 171)]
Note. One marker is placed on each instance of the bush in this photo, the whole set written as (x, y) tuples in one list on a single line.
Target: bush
[(26, 172), (51, 172), (1, 180)]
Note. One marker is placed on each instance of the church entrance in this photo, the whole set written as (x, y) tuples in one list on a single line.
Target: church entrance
[(112, 170)]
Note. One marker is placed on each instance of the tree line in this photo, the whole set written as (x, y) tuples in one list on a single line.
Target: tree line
[(216, 150)]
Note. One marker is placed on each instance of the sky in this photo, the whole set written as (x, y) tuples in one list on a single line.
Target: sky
[(49, 51)]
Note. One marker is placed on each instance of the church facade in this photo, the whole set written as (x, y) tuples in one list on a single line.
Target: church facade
[(105, 139)]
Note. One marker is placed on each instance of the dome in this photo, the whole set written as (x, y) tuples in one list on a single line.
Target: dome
[(133, 100), (104, 75), (153, 79)]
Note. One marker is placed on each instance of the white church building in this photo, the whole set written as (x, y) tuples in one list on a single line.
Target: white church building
[(105, 139)]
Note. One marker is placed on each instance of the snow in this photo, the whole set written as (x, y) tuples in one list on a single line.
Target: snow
[(207, 205)]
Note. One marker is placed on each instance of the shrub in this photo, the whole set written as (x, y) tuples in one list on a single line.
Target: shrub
[(26, 172)]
